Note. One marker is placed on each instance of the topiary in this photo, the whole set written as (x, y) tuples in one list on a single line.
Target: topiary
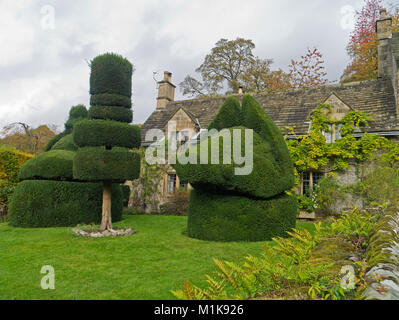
[(65, 143), (126, 195), (250, 207), (224, 217), (45, 203), (76, 113), (103, 140), (51, 165), (50, 197)]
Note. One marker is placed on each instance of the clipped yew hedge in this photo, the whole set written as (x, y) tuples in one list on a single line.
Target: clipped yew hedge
[(65, 143), (220, 217), (106, 133), (112, 74), (254, 117), (111, 113), (126, 195), (225, 206), (50, 144), (266, 179), (44, 203), (109, 99), (97, 164), (228, 116), (51, 165)]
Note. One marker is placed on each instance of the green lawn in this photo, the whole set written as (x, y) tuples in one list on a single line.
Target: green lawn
[(146, 265)]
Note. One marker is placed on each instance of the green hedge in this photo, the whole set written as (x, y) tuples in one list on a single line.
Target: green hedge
[(126, 195), (51, 165), (109, 99), (43, 203), (54, 140), (76, 114), (229, 115), (97, 164), (219, 217), (111, 113), (266, 179), (111, 73), (65, 143), (254, 117), (106, 133)]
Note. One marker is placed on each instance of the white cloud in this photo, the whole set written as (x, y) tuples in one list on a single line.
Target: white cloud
[(43, 72)]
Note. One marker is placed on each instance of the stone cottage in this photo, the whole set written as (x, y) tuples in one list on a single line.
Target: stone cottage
[(293, 107)]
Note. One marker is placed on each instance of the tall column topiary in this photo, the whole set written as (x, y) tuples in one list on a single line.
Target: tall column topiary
[(105, 138)]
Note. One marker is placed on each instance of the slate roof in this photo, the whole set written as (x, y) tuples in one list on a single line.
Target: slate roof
[(293, 107)]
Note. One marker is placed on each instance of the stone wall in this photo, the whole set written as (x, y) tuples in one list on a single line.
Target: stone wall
[(383, 258)]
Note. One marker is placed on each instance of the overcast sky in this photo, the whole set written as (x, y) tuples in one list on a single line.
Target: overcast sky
[(45, 45)]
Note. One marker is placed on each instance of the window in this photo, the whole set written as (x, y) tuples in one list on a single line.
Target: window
[(306, 183), (182, 185), (328, 135), (183, 137), (338, 131), (171, 183), (310, 180), (317, 176), (334, 134)]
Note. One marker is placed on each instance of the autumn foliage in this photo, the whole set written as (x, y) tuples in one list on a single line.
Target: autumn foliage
[(308, 71), (362, 46)]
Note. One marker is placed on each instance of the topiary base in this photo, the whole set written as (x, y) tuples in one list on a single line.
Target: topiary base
[(45, 203), (218, 217)]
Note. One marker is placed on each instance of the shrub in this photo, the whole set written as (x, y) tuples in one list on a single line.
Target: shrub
[(51, 165), (380, 186), (42, 203), (11, 161), (54, 140), (255, 118), (65, 143), (126, 195), (228, 116), (177, 204), (111, 113), (97, 164), (265, 180), (111, 73), (108, 99), (76, 114), (106, 133), (220, 217), (326, 193), (305, 203)]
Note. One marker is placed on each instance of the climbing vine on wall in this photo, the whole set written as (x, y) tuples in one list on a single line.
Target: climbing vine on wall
[(312, 152)]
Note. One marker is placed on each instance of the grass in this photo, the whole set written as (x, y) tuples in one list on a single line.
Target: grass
[(147, 265)]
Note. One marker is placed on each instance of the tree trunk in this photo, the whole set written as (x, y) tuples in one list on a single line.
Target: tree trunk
[(106, 223)]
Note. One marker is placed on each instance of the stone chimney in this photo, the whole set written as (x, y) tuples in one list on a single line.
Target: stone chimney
[(166, 91), (384, 35), (388, 50)]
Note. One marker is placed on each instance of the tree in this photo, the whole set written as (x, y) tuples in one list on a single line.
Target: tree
[(277, 80), (27, 139), (227, 62), (362, 46), (253, 77), (308, 71), (105, 138)]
